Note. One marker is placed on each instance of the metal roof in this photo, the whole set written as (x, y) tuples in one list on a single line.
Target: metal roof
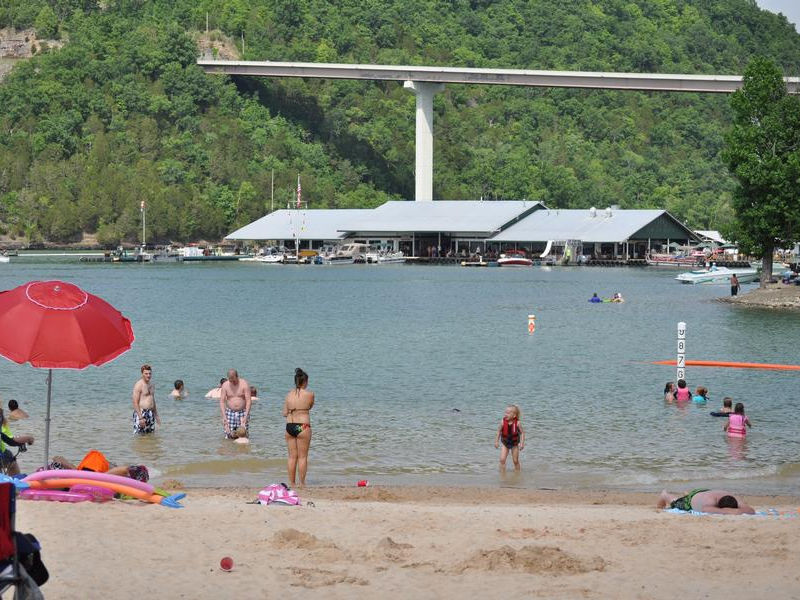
[(452, 216), (711, 234), (308, 224), (601, 225)]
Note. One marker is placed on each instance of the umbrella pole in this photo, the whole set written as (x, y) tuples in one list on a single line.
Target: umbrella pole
[(47, 418)]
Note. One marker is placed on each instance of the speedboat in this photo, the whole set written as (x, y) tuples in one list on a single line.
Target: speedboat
[(514, 258), (717, 275)]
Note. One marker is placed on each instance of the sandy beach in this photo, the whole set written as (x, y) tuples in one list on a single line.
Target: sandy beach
[(415, 542)]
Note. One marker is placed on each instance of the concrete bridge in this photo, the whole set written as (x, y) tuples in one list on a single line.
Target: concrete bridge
[(426, 81)]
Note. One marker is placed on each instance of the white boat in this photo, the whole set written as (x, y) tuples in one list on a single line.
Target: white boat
[(717, 275), (271, 256), (514, 258), (348, 254), (383, 255), (4, 259), (391, 257)]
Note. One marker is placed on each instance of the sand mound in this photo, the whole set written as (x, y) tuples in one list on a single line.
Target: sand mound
[(292, 538), (388, 544), (321, 550), (315, 578), (542, 560)]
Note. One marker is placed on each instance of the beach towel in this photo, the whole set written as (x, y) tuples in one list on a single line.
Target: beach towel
[(768, 512), (278, 493)]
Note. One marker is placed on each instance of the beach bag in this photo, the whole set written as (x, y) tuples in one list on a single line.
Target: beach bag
[(94, 461), (278, 493), (29, 551)]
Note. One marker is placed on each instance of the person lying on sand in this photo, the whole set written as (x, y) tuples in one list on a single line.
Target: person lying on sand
[(705, 501), (95, 461)]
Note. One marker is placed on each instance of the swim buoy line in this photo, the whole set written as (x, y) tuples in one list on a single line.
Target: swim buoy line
[(731, 365)]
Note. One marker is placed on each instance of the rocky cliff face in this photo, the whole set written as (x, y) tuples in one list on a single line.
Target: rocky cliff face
[(20, 45)]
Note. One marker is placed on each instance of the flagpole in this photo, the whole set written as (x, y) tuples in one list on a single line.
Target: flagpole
[(144, 218)]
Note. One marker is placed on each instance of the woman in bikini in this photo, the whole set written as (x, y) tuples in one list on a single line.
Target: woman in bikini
[(296, 407)]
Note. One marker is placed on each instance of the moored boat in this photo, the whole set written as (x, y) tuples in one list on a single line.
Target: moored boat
[(514, 258), (717, 275), (680, 261)]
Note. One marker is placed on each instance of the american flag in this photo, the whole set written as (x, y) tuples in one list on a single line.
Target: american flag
[(299, 191), (141, 206)]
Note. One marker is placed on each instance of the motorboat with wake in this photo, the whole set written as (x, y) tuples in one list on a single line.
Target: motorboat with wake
[(717, 275), (514, 258)]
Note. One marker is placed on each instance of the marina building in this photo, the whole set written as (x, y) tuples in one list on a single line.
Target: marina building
[(417, 228), (436, 228), (610, 233), (303, 228)]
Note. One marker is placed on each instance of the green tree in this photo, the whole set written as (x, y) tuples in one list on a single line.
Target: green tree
[(763, 154), (46, 23)]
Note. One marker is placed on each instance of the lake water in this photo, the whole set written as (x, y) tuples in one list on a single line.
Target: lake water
[(412, 368)]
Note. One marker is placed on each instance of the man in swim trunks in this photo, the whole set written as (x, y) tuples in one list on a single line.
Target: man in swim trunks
[(234, 404), (145, 412), (706, 501)]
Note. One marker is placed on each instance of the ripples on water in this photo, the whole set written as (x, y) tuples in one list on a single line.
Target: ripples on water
[(393, 350)]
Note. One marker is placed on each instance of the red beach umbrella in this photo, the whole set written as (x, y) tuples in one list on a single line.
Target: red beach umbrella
[(57, 325)]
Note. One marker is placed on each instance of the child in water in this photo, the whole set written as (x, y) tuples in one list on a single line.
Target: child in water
[(700, 395), (512, 435), (727, 405), (240, 436), (737, 422), (683, 394), (669, 392)]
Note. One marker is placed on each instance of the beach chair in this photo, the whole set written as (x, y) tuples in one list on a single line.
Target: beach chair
[(9, 560), (12, 573)]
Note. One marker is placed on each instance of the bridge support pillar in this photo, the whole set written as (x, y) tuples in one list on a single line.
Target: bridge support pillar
[(423, 172)]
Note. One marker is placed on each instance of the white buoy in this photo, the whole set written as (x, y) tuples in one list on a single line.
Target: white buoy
[(531, 323), (681, 360)]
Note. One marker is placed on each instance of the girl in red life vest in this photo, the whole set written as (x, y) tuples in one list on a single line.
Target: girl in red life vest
[(511, 434)]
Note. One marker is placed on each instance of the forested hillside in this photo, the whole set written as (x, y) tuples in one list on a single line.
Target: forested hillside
[(121, 114)]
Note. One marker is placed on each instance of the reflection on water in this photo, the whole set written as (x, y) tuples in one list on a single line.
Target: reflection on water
[(737, 447), (391, 352)]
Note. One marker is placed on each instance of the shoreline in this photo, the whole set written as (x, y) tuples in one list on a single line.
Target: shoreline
[(472, 495), (776, 296), (421, 542)]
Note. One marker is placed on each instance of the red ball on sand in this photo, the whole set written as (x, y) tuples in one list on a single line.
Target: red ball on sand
[(226, 564)]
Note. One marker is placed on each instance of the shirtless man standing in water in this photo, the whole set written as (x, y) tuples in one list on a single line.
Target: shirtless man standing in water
[(234, 404), (145, 413)]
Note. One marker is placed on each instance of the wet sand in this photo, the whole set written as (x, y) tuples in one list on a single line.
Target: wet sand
[(420, 542)]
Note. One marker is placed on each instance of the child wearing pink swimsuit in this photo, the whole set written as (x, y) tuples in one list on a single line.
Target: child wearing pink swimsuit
[(738, 423)]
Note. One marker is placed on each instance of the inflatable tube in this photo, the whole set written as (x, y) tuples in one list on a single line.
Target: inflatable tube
[(116, 487), (715, 413), (54, 495), (732, 365), (89, 475), (95, 492)]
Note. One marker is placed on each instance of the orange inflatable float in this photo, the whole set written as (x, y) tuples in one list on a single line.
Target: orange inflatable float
[(730, 364)]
